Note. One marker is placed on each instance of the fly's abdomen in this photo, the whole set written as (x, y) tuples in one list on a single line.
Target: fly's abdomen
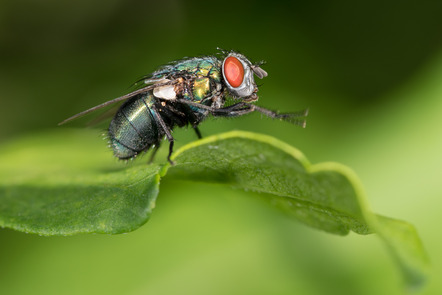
[(134, 128)]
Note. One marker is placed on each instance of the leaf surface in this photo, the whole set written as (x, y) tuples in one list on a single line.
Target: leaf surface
[(61, 183)]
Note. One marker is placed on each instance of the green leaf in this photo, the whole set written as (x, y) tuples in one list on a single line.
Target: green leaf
[(49, 185), (56, 184), (328, 196), (320, 196)]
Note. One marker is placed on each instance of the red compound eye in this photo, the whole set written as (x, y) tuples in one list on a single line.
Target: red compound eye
[(233, 71)]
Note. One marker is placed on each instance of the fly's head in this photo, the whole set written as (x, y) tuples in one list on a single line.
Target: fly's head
[(238, 76)]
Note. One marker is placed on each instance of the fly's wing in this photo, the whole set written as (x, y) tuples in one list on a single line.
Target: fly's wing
[(151, 84), (105, 115)]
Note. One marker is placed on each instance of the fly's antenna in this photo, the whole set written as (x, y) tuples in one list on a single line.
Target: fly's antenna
[(256, 68), (260, 73)]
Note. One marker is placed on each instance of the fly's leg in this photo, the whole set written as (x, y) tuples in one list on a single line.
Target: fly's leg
[(296, 118), (154, 152), (167, 132), (197, 131), (243, 108), (232, 113), (235, 110)]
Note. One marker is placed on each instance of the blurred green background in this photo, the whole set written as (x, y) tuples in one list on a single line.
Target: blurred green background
[(370, 72)]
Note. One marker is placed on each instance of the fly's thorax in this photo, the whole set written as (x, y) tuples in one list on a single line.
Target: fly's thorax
[(201, 89), (196, 79), (196, 67)]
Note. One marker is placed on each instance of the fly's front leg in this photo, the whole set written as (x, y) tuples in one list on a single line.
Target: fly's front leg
[(294, 118), (167, 132), (243, 108), (235, 110)]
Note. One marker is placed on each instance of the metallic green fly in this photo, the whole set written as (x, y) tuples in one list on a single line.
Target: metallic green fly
[(181, 93)]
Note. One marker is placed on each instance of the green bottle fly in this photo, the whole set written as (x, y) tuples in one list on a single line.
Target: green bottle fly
[(184, 93)]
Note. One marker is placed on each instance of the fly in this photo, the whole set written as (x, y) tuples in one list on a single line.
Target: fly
[(182, 93)]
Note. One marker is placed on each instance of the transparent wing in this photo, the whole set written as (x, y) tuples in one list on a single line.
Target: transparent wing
[(147, 80), (153, 84), (105, 115)]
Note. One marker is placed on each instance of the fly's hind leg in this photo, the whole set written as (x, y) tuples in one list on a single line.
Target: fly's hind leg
[(168, 135), (197, 131), (154, 152), (170, 151)]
